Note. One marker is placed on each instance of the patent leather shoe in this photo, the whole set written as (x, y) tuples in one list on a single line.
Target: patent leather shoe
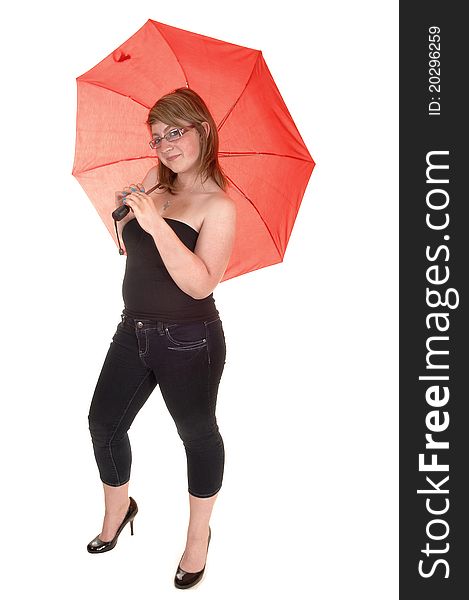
[(184, 579), (97, 546)]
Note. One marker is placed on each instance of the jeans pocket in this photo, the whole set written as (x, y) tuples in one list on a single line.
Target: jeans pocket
[(186, 336)]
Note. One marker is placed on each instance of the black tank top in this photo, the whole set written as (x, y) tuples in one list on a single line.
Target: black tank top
[(148, 290)]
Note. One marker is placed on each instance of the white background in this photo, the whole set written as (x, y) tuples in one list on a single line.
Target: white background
[(307, 405)]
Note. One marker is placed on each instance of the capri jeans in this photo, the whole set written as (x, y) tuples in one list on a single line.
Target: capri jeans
[(187, 361)]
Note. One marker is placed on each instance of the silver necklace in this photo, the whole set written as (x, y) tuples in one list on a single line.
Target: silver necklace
[(167, 203)]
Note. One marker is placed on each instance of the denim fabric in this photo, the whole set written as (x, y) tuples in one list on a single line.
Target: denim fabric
[(186, 360)]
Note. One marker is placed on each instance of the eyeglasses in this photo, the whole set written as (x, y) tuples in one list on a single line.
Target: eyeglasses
[(171, 136)]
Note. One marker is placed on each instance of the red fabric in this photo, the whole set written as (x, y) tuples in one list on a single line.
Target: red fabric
[(261, 150)]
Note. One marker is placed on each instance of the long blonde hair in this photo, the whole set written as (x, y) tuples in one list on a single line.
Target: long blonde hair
[(183, 104)]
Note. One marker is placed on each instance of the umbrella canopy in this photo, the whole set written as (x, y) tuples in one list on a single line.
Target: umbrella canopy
[(260, 149)]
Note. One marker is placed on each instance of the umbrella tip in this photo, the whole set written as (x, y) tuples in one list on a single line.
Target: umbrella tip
[(120, 55)]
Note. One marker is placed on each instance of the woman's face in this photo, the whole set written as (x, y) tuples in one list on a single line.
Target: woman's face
[(179, 155)]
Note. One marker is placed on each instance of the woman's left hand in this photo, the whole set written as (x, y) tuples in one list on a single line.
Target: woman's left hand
[(144, 209)]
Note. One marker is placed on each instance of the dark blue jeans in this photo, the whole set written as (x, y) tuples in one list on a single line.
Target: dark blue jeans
[(187, 361)]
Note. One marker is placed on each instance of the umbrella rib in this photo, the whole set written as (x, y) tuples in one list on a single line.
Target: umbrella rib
[(154, 23), (255, 208), (228, 154), (114, 162), (223, 154), (114, 92), (222, 122)]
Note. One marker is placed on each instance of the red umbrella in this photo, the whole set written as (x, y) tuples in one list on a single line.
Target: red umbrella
[(261, 151)]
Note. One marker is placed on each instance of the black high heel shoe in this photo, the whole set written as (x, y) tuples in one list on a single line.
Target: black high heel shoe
[(184, 579), (97, 546)]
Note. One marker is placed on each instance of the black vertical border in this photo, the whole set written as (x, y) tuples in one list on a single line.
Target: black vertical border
[(419, 134)]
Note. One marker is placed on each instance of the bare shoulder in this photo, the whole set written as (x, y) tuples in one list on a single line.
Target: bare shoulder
[(220, 208)]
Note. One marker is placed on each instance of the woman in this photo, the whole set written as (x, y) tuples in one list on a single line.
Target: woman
[(178, 243)]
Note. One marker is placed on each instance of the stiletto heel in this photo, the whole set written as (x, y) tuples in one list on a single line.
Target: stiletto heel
[(184, 579), (97, 546)]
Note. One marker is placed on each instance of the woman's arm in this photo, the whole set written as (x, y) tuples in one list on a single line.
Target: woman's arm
[(198, 273)]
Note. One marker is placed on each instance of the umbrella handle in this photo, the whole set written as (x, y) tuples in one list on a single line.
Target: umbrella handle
[(122, 211)]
